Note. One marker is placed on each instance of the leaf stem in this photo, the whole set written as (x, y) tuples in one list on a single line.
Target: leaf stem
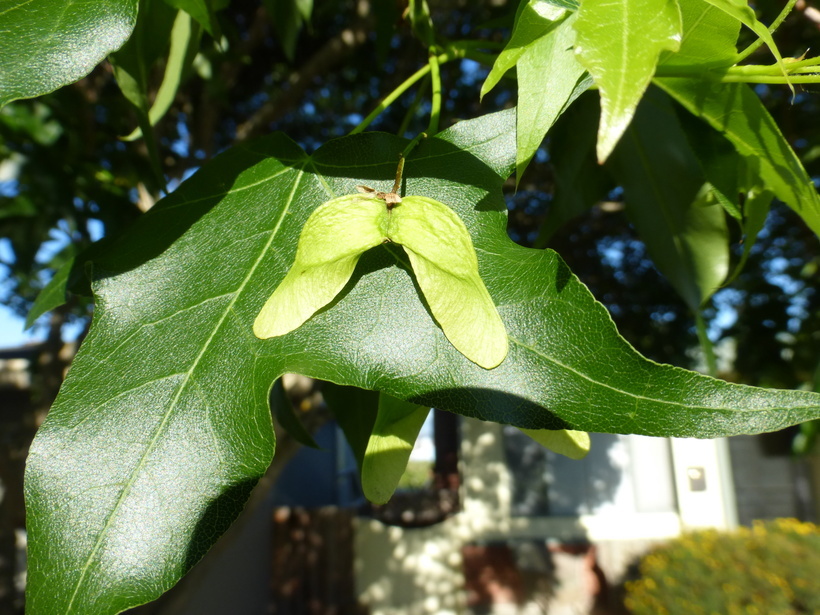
[(411, 111), (413, 143), (774, 26), (152, 148), (771, 79), (805, 71), (402, 156), (706, 344), (455, 51), (435, 107)]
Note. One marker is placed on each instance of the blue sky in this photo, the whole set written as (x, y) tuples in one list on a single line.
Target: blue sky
[(11, 330)]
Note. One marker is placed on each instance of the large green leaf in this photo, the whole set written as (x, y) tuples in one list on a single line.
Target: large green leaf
[(46, 44), (684, 231), (619, 43), (736, 112), (163, 426)]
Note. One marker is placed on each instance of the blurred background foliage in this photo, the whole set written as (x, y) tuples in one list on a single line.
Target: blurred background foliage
[(766, 569)]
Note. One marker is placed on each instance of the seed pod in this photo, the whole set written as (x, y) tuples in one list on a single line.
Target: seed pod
[(441, 254)]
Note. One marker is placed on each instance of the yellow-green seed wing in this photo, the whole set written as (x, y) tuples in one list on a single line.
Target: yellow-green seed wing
[(330, 244), (444, 261)]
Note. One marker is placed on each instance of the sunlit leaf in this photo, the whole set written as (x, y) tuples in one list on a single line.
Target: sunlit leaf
[(619, 43), (536, 19), (46, 44), (549, 80), (740, 10), (709, 36)]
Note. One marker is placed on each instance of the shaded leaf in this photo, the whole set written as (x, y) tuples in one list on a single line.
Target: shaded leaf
[(46, 44), (203, 11), (53, 294), (755, 211), (737, 113), (397, 426), (283, 411), (722, 166), (684, 233), (619, 43), (580, 181), (419, 13), (287, 21), (150, 40), (355, 411), (184, 46)]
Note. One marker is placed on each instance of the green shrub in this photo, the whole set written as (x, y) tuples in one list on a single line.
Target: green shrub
[(772, 568)]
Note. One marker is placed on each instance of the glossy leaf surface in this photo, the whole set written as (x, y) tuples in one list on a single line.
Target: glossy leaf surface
[(163, 426), (46, 44)]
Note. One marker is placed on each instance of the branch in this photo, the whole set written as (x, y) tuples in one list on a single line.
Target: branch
[(333, 53)]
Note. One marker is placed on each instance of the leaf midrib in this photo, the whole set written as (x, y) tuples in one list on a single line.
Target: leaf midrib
[(181, 388), (629, 394)]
